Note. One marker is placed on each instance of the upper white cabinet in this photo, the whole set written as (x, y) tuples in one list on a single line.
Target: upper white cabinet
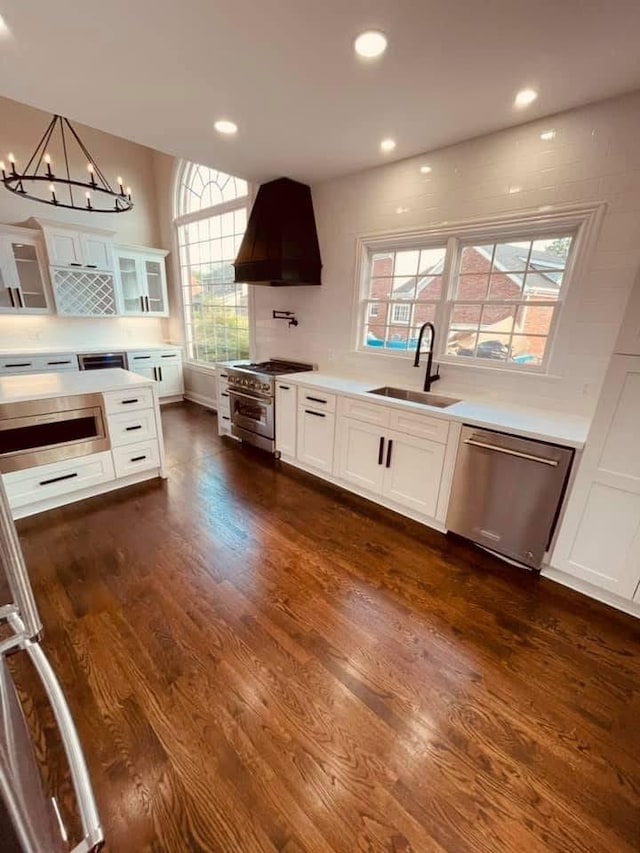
[(23, 287), (78, 247), (142, 281), (599, 539)]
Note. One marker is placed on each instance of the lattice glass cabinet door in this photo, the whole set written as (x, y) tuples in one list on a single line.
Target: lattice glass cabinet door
[(155, 285), (132, 289), (30, 278)]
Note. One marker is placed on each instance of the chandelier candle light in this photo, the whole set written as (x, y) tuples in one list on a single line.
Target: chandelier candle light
[(39, 173)]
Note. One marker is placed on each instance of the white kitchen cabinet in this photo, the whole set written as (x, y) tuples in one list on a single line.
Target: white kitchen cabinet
[(413, 472), (78, 247), (23, 288), (164, 367), (360, 453), (402, 468), (286, 409), (142, 281), (599, 538), (315, 438), (53, 363), (222, 401)]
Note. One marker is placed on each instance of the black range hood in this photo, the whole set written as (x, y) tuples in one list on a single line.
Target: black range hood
[(280, 246)]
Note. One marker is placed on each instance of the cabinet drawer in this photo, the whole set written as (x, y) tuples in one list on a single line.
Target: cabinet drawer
[(18, 364), (57, 478), (422, 426), (132, 427), (136, 457), (361, 411), (56, 363), (315, 399), (128, 400)]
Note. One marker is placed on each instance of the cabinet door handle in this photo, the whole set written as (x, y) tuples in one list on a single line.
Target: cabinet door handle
[(316, 400), (316, 414), (20, 299), (130, 429), (381, 450), (127, 402), (147, 301), (160, 374), (138, 458), (58, 479), (389, 449), (142, 303), (11, 297), (155, 374)]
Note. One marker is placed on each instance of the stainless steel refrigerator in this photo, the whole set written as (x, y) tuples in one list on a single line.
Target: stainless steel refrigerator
[(30, 820)]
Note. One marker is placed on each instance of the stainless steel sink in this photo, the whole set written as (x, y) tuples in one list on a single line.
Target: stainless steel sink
[(424, 397)]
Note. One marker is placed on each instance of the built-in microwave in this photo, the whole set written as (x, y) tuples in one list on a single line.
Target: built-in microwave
[(36, 432)]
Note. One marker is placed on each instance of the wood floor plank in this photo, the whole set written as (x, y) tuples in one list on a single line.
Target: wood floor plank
[(257, 661)]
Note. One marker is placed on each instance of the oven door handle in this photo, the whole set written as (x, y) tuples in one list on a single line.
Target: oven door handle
[(267, 401)]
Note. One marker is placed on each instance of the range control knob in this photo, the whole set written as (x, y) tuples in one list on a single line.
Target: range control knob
[(266, 386)]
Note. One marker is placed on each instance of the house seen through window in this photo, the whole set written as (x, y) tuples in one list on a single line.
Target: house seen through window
[(491, 301), (211, 218)]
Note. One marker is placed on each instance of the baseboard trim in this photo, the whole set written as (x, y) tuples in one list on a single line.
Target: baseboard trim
[(602, 595), (201, 400)]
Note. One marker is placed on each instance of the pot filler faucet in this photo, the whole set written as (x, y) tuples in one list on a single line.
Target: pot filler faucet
[(429, 378)]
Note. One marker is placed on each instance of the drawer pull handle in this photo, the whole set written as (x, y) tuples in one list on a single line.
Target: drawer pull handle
[(137, 458), (20, 364), (316, 400), (224, 394), (58, 362), (225, 418), (286, 388), (381, 450), (58, 479), (130, 429), (74, 264), (317, 414), (224, 376), (92, 266), (171, 355), (389, 449), (140, 357), (128, 402)]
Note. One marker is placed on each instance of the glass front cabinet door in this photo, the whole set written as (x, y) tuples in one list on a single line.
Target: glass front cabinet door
[(22, 278), (143, 283)]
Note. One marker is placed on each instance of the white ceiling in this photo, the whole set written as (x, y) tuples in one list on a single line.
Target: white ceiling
[(161, 71)]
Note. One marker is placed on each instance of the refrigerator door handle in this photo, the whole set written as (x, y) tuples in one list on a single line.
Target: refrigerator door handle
[(91, 827)]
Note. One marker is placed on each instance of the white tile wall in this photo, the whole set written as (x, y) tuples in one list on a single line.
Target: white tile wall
[(595, 157)]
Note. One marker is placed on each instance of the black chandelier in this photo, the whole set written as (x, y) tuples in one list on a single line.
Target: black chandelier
[(40, 182)]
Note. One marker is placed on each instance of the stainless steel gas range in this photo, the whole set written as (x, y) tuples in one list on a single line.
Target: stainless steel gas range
[(252, 397)]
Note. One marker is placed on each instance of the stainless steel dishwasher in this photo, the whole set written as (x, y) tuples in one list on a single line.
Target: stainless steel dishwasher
[(507, 491)]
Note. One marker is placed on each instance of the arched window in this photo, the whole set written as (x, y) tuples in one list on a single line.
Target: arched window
[(210, 216)]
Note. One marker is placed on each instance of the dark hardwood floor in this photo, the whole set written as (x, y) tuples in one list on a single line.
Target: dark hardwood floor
[(258, 662)]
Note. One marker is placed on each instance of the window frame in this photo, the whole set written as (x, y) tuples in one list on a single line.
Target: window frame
[(181, 170), (582, 222)]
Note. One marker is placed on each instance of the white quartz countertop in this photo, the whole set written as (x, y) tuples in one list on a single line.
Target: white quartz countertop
[(54, 350), (39, 386), (555, 427)]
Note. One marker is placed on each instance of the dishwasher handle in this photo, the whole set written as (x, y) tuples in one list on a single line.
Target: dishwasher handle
[(551, 462)]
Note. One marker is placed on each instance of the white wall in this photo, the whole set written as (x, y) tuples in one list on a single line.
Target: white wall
[(595, 157), (20, 129)]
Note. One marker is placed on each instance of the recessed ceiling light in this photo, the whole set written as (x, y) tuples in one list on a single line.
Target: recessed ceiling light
[(547, 135), (4, 29), (513, 190), (402, 210), (525, 97), (370, 44), (226, 127), (425, 169), (387, 145)]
